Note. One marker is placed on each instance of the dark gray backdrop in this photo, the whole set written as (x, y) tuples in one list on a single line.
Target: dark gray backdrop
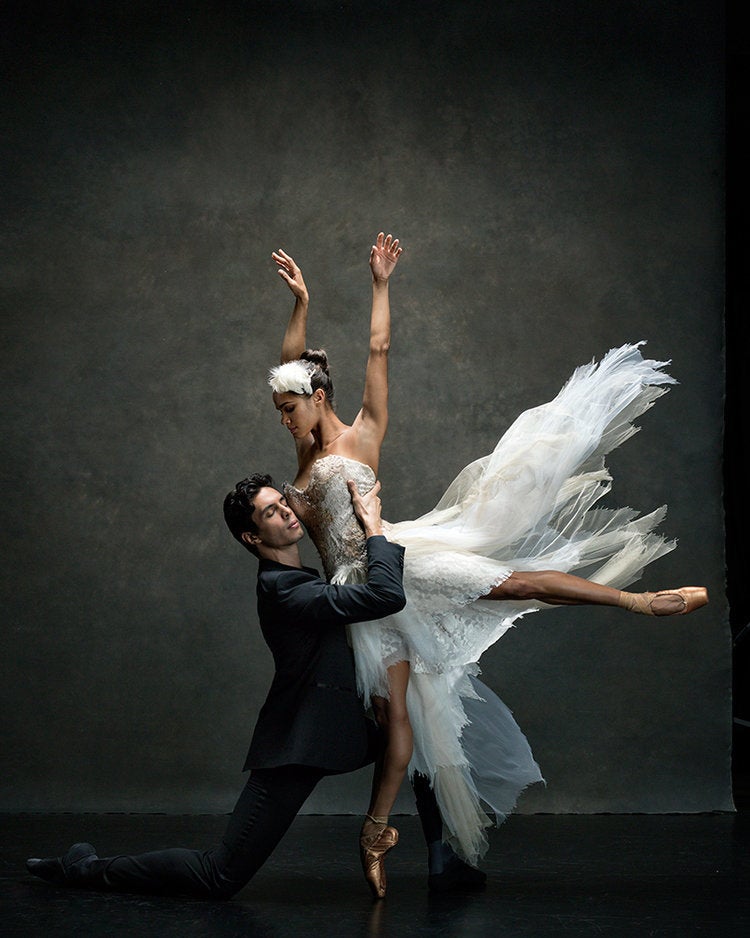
[(554, 171)]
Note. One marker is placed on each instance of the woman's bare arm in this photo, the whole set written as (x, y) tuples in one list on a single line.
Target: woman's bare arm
[(295, 337), (372, 420)]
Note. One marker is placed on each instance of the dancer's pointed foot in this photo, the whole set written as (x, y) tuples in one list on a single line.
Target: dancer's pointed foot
[(677, 602), (62, 871), (374, 842)]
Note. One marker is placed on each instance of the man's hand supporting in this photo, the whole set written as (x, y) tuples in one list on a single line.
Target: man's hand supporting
[(367, 508)]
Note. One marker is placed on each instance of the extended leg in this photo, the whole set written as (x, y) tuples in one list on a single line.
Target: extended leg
[(565, 589), (267, 806)]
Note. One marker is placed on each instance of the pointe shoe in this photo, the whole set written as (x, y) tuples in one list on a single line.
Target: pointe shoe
[(691, 598), (65, 870), (372, 850)]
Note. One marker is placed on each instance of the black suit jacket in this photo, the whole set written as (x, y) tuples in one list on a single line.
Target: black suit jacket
[(312, 715)]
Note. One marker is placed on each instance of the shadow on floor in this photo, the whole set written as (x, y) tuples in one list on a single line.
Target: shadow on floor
[(549, 875)]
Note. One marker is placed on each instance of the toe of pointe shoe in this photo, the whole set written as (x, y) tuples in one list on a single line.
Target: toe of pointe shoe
[(372, 853), (694, 597)]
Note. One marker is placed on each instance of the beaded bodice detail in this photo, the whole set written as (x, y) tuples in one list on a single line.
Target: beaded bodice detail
[(324, 506)]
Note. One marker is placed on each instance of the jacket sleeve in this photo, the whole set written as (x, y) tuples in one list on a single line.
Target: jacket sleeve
[(324, 603)]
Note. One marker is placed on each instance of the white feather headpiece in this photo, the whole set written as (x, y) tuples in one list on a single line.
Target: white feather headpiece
[(290, 378)]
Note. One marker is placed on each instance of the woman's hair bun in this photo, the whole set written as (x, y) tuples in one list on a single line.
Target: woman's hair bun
[(316, 356)]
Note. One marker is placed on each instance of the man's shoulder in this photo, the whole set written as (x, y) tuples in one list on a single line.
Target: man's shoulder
[(272, 575), (283, 590)]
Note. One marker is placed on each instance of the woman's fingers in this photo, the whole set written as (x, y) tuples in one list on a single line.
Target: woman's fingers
[(284, 260), (388, 244)]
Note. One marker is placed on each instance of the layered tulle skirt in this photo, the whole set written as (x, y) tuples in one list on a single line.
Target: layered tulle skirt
[(531, 504)]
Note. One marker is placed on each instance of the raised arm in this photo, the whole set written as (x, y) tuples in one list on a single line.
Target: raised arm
[(295, 337), (374, 414)]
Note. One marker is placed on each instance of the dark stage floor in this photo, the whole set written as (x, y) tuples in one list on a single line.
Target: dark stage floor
[(627, 875)]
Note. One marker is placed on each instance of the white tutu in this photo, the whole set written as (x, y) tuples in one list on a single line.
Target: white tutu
[(528, 505)]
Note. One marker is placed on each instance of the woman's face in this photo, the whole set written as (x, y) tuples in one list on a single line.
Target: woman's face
[(299, 414)]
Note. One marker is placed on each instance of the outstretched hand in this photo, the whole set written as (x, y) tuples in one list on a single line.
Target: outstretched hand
[(367, 508), (384, 257), (291, 274)]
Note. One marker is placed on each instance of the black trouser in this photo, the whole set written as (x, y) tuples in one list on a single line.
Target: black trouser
[(269, 802), (427, 808), (264, 811)]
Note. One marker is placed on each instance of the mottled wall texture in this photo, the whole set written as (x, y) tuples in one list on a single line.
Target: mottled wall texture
[(555, 173)]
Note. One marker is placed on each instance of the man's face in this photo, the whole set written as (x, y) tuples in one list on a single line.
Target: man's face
[(276, 522)]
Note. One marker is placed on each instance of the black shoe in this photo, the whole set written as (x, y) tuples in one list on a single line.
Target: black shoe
[(457, 876), (62, 871)]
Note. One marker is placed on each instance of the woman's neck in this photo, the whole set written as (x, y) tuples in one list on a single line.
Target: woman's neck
[(328, 431)]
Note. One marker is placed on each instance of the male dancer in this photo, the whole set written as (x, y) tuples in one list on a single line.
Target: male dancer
[(312, 723)]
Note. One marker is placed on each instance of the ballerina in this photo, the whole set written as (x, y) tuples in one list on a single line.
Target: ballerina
[(502, 542)]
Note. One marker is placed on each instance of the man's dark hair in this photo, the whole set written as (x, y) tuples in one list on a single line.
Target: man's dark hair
[(239, 506)]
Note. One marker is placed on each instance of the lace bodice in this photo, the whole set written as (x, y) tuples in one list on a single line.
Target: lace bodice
[(324, 506)]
